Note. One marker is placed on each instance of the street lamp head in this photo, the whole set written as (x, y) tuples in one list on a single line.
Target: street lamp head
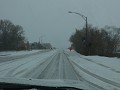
[(69, 12)]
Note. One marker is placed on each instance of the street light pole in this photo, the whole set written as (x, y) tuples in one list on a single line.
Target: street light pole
[(86, 31), (85, 18), (86, 34)]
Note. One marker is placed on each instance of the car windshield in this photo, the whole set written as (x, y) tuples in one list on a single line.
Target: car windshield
[(60, 44)]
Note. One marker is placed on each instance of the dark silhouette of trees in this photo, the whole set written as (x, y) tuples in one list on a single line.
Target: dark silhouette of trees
[(10, 35), (101, 41)]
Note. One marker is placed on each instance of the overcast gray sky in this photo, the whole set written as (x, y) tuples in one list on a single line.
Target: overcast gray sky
[(50, 19)]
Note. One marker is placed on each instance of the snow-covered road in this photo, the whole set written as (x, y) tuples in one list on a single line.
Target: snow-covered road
[(48, 65), (62, 65)]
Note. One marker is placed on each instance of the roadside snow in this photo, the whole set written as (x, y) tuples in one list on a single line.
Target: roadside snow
[(110, 63), (17, 53), (102, 71)]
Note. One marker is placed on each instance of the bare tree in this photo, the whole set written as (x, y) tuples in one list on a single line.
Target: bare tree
[(101, 41), (10, 35)]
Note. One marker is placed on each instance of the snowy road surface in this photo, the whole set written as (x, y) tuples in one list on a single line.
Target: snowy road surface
[(89, 74)]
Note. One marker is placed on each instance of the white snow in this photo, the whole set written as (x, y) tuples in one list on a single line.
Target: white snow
[(110, 63), (102, 71), (62, 68), (11, 68), (16, 53)]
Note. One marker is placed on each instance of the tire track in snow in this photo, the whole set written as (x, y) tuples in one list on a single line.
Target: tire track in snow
[(61, 71), (90, 60), (39, 67), (81, 78), (9, 67), (96, 76), (16, 58), (58, 67), (48, 70), (34, 72), (72, 73), (15, 69), (55, 72), (10, 73), (11, 58)]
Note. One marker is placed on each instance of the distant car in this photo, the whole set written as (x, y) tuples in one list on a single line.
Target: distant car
[(70, 48)]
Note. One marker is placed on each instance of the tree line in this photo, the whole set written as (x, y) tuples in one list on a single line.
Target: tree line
[(11, 36), (100, 41)]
